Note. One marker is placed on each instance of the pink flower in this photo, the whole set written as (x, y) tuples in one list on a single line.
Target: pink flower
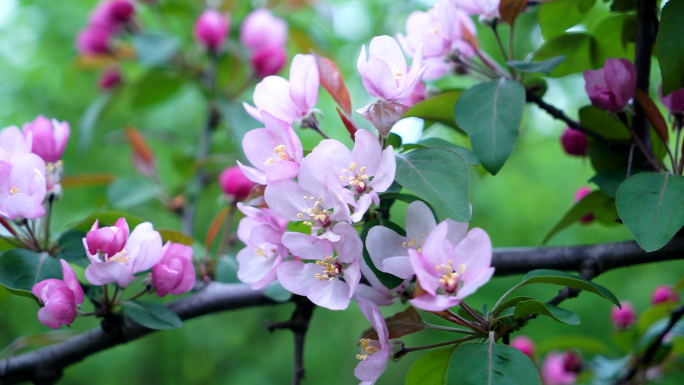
[(110, 79), (107, 240), (13, 144), (450, 272), (22, 177), (331, 280), (664, 293), (579, 194), (560, 368), (524, 344), (59, 298), (374, 353), (623, 318), (674, 101), (234, 183), (389, 250), (211, 29), (262, 232), (358, 176), (384, 73), (574, 142), (417, 96), (288, 101), (174, 273), (487, 9), (611, 87), (275, 151), (110, 14), (49, 137), (375, 291), (94, 40), (261, 29), (268, 61), (143, 250)]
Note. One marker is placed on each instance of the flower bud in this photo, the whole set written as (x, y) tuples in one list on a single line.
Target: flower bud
[(59, 297), (579, 194), (623, 318), (574, 142), (234, 183), (107, 240), (664, 293), (49, 137), (268, 61), (211, 29), (611, 87), (174, 273), (560, 368), (93, 40), (524, 344), (261, 29), (110, 79), (674, 101), (122, 11)]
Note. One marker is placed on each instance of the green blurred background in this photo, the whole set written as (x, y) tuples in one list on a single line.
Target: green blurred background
[(40, 74)]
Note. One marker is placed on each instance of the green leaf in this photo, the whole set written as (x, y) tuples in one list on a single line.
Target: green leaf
[(651, 205), (490, 113), (604, 159), (388, 280), (90, 117), (608, 34), (623, 5), (467, 154), (430, 369), (562, 278), (438, 175), (21, 269), (670, 46), (105, 218), (584, 343), (128, 192), (513, 302), (154, 87), (544, 66), (226, 270), (556, 17), (155, 49), (388, 198), (439, 108), (71, 249), (598, 120), (480, 363), (152, 315), (277, 292), (577, 47), (592, 202), (609, 181), (534, 307)]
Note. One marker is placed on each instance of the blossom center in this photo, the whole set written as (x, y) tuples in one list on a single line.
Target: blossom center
[(366, 349), (437, 28), (120, 257), (416, 244), (14, 190), (261, 253), (331, 269), (317, 213), (398, 73), (279, 150), (450, 279), (355, 177)]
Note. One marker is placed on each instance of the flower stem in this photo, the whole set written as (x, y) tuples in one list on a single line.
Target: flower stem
[(472, 312), (450, 329), (146, 290), (405, 351)]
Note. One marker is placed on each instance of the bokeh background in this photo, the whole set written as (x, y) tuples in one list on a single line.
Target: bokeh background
[(40, 73)]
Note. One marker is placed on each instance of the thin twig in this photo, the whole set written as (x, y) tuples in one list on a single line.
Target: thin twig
[(405, 351)]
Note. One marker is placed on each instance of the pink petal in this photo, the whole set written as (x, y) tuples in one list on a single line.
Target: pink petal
[(621, 79), (307, 247), (383, 243), (71, 281), (419, 220), (253, 267), (367, 151), (164, 278), (473, 280), (304, 82), (252, 173), (101, 273), (385, 173), (379, 80), (298, 277), (333, 295), (372, 367), (352, 276), (425, 272), (429, 302), (273, 95), (475, 251), (398, 266), (386, 48)]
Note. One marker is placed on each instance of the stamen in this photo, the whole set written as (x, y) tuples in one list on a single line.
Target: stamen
[(14, 190), (397, 74)]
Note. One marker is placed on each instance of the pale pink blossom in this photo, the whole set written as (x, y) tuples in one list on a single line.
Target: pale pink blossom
[(486, 9), (560, 368), (143, 250), (524, 344), (262, 233), (261, 29), (384, 73), (625, 317), (234, 183), (211, 29), (274, 151), (13, 144), (664, 293), (174, 273), (450, 272), (292, 100), (374, 352), (417, 96), (375, 291), (49, 137), (22, 187), (59, 297), (331, 279), (611, 87)]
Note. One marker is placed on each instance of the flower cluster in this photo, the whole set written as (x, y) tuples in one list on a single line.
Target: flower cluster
[(107, 20), (264, 35)]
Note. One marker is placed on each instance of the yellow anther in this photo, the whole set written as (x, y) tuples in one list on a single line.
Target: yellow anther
[(398, 74), (282, 156), (300, 216), (403, 245), (362, 170), (269, 161), (279, 149), (14, 190)]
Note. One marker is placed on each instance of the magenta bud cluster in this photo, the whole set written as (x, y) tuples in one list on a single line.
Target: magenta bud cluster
[(107, 20), (264, 35), (211, 29), (623, 318)]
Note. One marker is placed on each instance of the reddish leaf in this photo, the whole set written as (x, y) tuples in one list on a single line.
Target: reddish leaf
[(510, 9), (383, 115), (652, 114), (143, 158), (399, 325), (332, 81), (90, 179), (215, 226), (470, 38), (348, 123)]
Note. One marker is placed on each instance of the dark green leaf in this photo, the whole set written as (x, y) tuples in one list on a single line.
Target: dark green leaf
[(393, 140), (604, 159), (388, 280), (154, 49), (131, 191), (609, 181), (556, 17), (464, 152), (226, 270), (544, 66), (562, 278), (577, 47), (608, 34), (475, 364), (513, 302), (490, 113), (154, 87), (439, 108), (651, 205), (152, 315), (21, 269), (598, 120), (623, 5), (534, 307), (585, 344), (430, 369), (592, 202), (438, 175), (670, 46), (90, 117), (71, 249), (277, 292)]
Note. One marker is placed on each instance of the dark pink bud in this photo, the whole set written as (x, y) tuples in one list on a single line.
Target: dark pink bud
[(579, 194), (268, 61), (122, 11), (107, 240), (174, 273), (623, 318), (59, 297), (234, 183), (611, 87), (211, 29), (110, 78), (524, 344), (49, 137), (664, 293), (572, 362), (574, 142), (93, 40), (674, 101)]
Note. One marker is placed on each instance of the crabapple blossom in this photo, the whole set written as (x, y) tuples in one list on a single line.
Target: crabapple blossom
[(275, 151), (49, 137), (143, 250), (579, 194), (261, 29), (107, 240), (664, 293), (268, 61), (358, 175), (448, 272), (574, 142), (374, 352), (375, 291), (110, 14), (211, 29), (333, 274), (109, 79), (60, 298), (486, 9), (384, 73), (174, 273), (611, 87), (389, 250), (524, 344), (13, 144), (291, 100), (234, 183), (560, 368), (625, 317), (94, 40), (262, 232), (673, 101), (418, 95)]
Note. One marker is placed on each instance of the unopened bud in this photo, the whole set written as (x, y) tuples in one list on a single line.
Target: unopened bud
[(664, 293), (211, 29), (268, 61), (574, 142), (623, 318), (235, 184), (524, 344)]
